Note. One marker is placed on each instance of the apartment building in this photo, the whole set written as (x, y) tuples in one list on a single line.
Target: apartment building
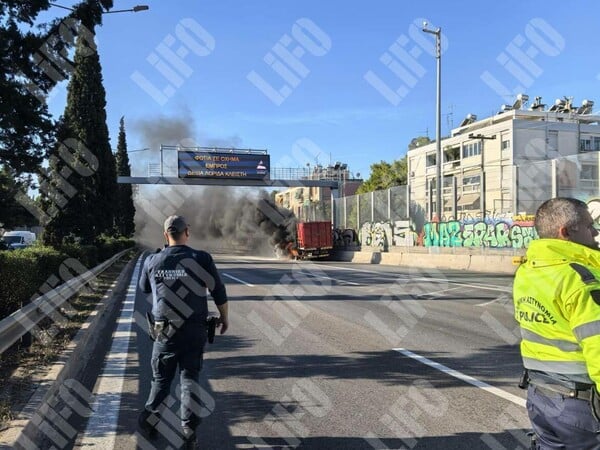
[(510, 162), (314, 203)]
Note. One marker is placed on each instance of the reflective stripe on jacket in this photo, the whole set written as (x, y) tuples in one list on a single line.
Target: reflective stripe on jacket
[(557, 304)]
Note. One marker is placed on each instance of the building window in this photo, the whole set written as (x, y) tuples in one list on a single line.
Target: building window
[(448, 183), (471, 183), (585, 144), (596, 143), (452, 154), (505, 145), (431, 158), (472, 149), (589, 176)]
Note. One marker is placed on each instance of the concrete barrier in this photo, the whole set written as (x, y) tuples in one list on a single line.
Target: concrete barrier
[(483, 263), (363, 257), (480, 262), (394, 259)]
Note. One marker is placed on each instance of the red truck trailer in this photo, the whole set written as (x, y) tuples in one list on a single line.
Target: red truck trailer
[(314, 240)]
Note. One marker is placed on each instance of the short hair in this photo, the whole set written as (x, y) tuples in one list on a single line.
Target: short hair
[(556, 213), (175, 235)]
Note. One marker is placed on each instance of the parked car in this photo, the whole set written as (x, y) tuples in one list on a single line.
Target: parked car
[(17, 239)]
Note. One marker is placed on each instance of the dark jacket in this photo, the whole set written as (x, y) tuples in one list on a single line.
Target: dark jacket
[(179, 278)]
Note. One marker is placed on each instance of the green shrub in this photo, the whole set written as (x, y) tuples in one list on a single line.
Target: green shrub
[(86, 254), (24, 273), (109, 246)]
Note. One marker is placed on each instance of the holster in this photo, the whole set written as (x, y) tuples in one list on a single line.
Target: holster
[(595, 403), (160, 330), (524, 380)]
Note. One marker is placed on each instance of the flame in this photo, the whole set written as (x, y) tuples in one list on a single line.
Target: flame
[(286, 250)]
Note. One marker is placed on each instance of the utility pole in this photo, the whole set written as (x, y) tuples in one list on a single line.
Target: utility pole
[(438, 120)]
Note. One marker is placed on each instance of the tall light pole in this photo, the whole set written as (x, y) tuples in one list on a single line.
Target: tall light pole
[(438, 119)]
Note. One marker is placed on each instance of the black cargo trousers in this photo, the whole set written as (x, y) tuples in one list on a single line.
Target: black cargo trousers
[(184, 349)]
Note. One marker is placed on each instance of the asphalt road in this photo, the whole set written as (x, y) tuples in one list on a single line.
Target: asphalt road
[(335, 355)]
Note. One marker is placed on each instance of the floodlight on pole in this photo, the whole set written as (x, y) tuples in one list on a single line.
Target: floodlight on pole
[(438, 119), (136, 8)]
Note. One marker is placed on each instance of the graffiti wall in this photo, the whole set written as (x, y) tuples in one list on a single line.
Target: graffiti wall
[(385, 234), (512, 233), (497, 231), (344, 238)]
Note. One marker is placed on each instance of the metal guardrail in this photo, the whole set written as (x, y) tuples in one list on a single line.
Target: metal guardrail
[(13, 327)]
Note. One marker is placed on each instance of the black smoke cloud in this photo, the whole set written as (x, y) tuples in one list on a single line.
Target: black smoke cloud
[(170, 131), (221, 218)]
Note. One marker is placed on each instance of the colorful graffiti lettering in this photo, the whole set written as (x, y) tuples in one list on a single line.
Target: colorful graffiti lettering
[(504, 230), (501, 234)]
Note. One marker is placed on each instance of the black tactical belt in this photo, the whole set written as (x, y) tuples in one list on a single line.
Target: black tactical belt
[(580, 394)]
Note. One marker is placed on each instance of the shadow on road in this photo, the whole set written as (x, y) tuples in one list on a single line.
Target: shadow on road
[(386, 366), (514, 439)]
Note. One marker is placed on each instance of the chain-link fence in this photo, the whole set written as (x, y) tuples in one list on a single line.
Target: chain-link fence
[(502, 215)]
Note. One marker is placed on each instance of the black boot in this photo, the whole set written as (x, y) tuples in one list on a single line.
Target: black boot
[(147, 424)]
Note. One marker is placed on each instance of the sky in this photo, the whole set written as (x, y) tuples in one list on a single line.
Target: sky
[(315, 82)]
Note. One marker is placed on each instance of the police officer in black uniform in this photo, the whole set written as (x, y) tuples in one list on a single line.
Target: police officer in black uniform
[(179, 278)]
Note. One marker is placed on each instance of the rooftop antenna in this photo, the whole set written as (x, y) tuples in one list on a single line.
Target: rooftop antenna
[(537, 104)]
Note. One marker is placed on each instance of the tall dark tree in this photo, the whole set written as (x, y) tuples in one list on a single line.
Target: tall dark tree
[(34, 57), (12, 213), (83, 152), (124, 217), (25, 125), (32, 61)]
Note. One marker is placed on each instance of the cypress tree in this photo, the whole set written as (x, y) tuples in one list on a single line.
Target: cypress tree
[(124, 218), (83, 151)]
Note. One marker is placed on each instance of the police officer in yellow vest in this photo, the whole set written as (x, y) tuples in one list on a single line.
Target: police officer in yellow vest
[(557, 305)]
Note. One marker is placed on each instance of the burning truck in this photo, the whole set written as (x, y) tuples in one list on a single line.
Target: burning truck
[(312, 240)]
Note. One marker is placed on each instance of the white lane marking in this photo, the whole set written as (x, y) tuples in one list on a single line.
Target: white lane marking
[(310, 274), (466, 378), (487, 287), (438, 294), (333, 279), (490, 302), (101, 429), (237, 279)]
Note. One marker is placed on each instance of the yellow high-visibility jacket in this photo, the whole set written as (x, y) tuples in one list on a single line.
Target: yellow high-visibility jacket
[(557, 304)]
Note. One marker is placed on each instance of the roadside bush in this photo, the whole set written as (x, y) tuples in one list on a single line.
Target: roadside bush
[(23, 273), (109, 246), (85, 254)]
